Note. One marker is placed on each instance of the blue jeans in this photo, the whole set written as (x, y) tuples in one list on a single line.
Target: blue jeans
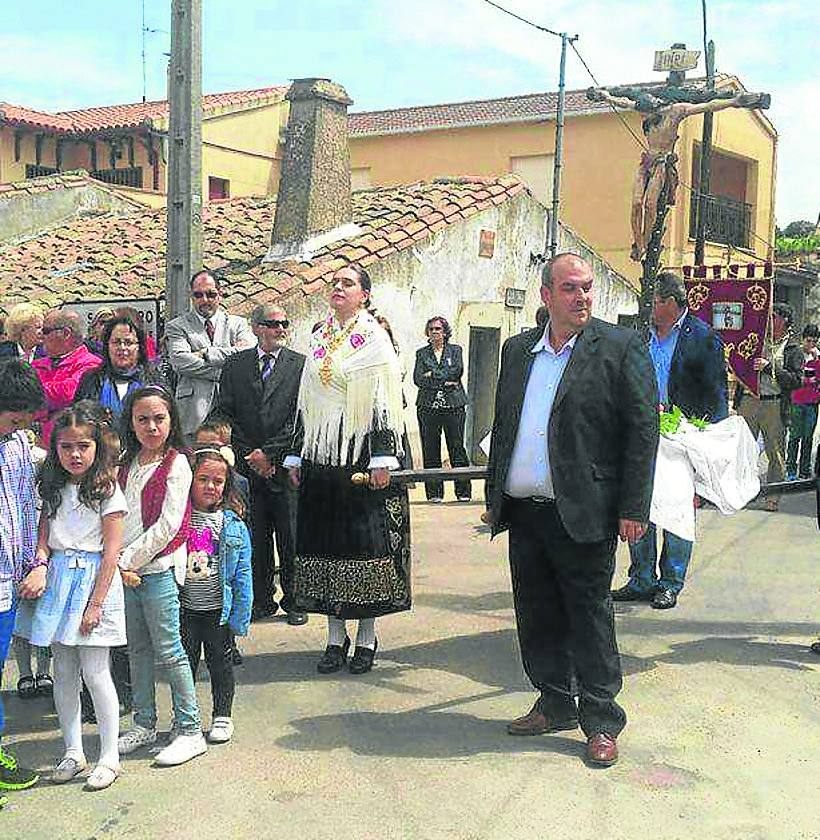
[(6, 628), (155, 644), (675, 555)]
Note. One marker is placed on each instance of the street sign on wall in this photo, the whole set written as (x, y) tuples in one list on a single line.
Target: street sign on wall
[(147, 308)]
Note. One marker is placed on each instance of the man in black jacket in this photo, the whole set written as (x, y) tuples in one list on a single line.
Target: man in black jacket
[(257, 395), (571, 467)]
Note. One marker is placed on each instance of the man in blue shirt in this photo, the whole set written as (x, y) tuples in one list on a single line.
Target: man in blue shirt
[(571, 467), (690, 369)]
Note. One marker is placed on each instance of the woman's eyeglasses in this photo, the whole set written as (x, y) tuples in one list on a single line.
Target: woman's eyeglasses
[(122, 342), (274, 322), (49, 330), (211, 295)]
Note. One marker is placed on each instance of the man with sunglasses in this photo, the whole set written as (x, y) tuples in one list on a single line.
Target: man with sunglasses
[(67, 359), (199, 342), (257, 396)]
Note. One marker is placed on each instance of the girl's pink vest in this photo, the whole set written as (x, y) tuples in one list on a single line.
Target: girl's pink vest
[(153, 496)]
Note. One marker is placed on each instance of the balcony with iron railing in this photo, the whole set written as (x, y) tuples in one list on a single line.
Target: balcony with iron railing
[(726, 220)]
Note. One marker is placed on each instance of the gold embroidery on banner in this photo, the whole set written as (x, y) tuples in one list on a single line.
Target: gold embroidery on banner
[(757, 296), (727, 350), (748, 346), (697, 296)]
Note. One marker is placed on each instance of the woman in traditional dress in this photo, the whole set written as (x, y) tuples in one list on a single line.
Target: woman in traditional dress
[(353, 540)]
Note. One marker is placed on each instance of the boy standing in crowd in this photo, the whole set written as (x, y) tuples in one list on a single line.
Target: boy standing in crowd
[(21, 394)]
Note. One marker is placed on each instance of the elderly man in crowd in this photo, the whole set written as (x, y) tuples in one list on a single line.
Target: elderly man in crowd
[(257, 395), (571, 467), (199, 342), (690, 368), (64, 364)]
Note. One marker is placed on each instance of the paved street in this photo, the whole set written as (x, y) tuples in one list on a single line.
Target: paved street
[(722, 695)]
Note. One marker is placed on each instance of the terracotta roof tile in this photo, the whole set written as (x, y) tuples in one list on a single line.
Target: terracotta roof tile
[(100, 257), (131, 115), (528, 107), (532, 107)]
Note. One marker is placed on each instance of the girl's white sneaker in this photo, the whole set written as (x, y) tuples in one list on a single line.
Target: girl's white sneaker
[(183, 748), (221, 730), (101, 777)]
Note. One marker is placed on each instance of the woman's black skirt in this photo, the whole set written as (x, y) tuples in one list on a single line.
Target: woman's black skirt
[(352, 546)]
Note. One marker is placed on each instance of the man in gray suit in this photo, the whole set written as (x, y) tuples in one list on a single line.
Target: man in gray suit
[(199, 342)]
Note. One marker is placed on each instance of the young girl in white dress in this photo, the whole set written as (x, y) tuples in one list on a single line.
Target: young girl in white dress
[(80, 611)]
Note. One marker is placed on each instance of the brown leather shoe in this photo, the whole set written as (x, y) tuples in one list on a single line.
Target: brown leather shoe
[(602, 749), (536, 723)]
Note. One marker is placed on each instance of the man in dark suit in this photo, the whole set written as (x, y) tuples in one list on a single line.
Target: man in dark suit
[(690, 368), (440, 405), (257, 394), (571, 467)]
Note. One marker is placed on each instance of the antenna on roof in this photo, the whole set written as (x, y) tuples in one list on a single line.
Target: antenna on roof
[(143, 52)]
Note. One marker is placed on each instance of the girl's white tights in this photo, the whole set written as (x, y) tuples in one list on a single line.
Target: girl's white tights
[(93, 663), (365, 636)]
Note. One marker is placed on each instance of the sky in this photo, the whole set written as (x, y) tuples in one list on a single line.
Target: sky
[(392, 53)]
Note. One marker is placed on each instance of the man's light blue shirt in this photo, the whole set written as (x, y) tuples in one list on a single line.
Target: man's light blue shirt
[(529, 473), (662, 351)]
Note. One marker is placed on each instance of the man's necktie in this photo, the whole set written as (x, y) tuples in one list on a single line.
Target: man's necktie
[(267, 365), (209, 328)]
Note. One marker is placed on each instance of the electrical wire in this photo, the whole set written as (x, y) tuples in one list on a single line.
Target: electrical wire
[(617, 113), (523, 19)]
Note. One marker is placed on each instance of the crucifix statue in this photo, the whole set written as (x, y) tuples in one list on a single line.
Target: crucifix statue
[(663, 110)]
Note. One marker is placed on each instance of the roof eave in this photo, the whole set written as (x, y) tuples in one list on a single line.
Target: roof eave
[(536, 118)]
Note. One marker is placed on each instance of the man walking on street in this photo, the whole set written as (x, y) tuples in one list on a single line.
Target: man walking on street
[(257, 395), (198, 344), (690, 368), (571, 468)]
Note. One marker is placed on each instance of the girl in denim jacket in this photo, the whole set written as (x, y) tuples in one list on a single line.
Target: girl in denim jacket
[(217, 595)]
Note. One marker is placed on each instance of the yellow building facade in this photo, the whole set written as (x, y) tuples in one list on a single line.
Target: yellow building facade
[(600, 160), (127, 145)]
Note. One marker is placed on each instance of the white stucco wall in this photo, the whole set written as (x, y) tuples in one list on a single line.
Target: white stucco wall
[(444, 275)]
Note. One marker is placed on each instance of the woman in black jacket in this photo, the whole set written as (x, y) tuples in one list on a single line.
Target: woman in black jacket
[(125, 366), (440, 404)]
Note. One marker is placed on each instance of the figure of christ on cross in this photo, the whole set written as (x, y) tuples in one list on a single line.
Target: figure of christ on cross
[(658, 161)]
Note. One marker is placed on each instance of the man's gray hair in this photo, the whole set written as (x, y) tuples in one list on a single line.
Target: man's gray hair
[(264, 311), (670, 285), (73, 320), (566, 256)]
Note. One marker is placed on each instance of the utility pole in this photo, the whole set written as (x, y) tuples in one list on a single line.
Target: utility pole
[(705, 160), (183, 252), (559, 146)]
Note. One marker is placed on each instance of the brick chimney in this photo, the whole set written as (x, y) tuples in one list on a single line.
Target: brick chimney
[(313, 207)]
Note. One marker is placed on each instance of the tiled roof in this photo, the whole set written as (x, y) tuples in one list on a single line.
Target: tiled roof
[(101, 256), (127, 116), (74, 179), (530, 107)]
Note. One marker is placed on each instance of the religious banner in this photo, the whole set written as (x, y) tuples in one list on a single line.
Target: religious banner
[(735, 300)]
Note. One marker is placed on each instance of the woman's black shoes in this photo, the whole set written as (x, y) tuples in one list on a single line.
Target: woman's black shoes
[(334, 658), (362, 660)]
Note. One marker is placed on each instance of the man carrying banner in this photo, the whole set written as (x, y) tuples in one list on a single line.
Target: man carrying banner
[(780, 370)]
